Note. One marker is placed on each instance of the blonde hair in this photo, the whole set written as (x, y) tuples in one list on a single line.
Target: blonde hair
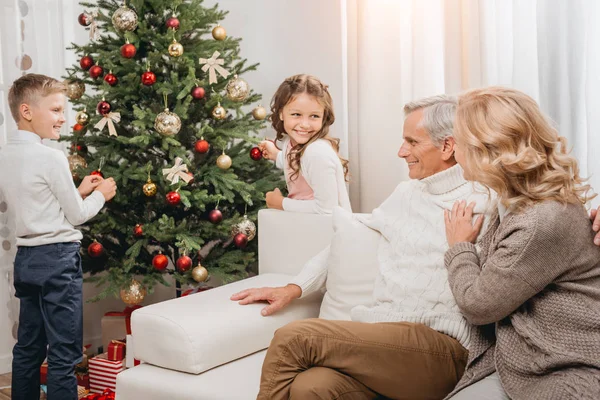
[(29, 88), (510, 147), (287, 91)]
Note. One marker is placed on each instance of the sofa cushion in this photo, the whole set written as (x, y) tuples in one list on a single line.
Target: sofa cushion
[(201, 331), (352, 266)]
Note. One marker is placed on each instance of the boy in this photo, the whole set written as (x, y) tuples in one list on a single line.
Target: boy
[(48, 279)]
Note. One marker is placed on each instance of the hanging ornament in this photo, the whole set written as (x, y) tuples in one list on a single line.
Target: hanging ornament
[(178, 170), (198, 92), (78, 127), (175, 49), (160, 262), (78, 148), (219, 112), (133, 294), (75, 89), (75, 162), (94, 32), (201, 146), (167, 123), (103, 107), (256, 154), (98, 172), (96, 71), (109, 119), (224, 161), (245, 226), (219, 33), (128, 50), (172, 23), (213, 65), (148, 78), (215, 216), (138, 231), (259, 113), (125, 19), (240, 240), (237, 89), (173, 198), (82, 117), (84, 19), (86, 62), (95, 249), (111, 79), (183, 263), (199, 273), (149, 188)]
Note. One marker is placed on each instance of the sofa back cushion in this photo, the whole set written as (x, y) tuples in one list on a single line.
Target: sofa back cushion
[(352, 266)]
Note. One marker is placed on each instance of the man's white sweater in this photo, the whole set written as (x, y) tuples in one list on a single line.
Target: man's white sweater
[(412, 283)]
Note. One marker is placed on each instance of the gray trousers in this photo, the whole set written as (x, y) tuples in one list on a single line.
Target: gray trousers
[(489, 388)]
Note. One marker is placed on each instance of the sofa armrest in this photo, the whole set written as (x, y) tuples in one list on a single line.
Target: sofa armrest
[(204, 330), (287, 240)]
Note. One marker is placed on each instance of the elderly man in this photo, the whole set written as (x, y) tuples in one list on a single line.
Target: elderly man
[(412, 341)]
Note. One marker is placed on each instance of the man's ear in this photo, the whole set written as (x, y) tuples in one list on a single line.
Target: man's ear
[(25, 112), (448, 148)]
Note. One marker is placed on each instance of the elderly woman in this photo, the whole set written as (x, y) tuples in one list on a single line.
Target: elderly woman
[(533, 288)]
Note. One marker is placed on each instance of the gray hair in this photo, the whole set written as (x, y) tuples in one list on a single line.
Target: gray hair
[(438, 115)]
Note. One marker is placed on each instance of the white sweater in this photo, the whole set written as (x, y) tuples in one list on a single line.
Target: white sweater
[(36, 183), (323, 171), (412, 283)]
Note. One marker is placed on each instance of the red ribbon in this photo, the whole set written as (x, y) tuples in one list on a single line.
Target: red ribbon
[(125, 313)]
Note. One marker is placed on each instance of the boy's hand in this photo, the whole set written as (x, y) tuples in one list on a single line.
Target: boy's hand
[(269, 150), (275, 199), (108, 188), (88, 184)]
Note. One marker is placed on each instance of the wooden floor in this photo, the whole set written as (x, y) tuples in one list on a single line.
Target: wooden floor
[(5, 388)]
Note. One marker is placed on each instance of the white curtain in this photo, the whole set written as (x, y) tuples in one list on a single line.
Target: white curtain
[(400, 50)]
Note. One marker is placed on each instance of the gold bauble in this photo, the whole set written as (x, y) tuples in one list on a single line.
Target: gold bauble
[(149, 188), (224, 161), (237, 89), (133, 294), (76, 161), (199, 274), (167, 123), (175, 49), (219, 33), (259, 113), (219, 112), (125, 19), (245, 226), (75, 89), (82, 117)]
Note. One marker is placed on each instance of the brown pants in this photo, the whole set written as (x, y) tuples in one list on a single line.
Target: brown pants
[(320, 359)]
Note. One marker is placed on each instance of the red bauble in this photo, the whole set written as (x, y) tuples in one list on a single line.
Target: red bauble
[(95, 249), (96, 71), (111, 79), (240, 240), (148, 78), (104, 107), (138, 231), (198, 92), (78, 127), (86, 62), (160, 262), (80, 148), (184, 263), (128, 50), (97, 173), (215, 216), (173, 23), (201, 146), (255, 153), (173, 198), (84, 19)]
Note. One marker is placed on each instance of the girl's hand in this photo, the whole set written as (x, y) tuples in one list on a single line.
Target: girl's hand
[(269, 150), (459, 227), (275, 199)]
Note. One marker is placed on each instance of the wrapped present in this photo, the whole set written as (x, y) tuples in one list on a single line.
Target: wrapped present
[(83, 380), (82, 392), (106, 394), (116, 325), (116, 350), (103, 373), (44, 373)]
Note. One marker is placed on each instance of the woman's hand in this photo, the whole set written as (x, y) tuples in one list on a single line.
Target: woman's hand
[(595, 217), (459, 227), (275, 199), (269, 150)]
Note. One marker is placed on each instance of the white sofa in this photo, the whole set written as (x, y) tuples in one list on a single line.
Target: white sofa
[(205, 346)]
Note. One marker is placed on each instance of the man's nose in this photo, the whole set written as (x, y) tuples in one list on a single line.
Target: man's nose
[(403, 152)]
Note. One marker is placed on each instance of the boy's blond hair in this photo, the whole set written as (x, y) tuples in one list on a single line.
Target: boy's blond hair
[(29, 89)]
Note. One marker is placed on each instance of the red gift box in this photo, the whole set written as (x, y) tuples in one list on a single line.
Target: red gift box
[(83, 380), (44, 374), (116, 350), (116, 324), (103, 373)]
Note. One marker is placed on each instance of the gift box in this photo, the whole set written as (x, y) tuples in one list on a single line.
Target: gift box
[(103, 373), (116, 325), (44, 373), (83, 380), (116, 350)]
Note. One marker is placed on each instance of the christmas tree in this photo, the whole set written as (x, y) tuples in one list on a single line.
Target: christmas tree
[(163, 110)]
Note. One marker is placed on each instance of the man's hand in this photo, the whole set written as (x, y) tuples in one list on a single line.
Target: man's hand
[(88, 184), (595, 217), (275, 199), (277, 297), (108, 188), (459, 225), (269, 150)]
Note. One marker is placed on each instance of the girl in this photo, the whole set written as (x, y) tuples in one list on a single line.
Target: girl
[(314, 172), (533, 291)]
